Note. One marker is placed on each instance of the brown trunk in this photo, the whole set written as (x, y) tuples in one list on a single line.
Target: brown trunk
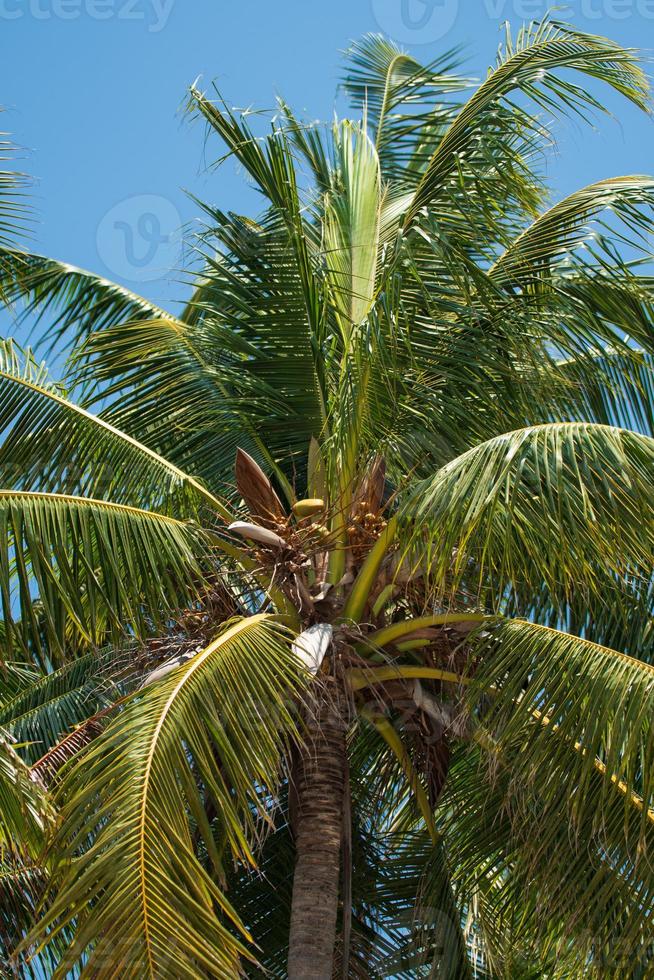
[(320, 786)]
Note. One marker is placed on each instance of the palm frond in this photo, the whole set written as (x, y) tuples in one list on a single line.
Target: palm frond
[(210, 402), (529, 66), (25, 810), (559, 232), (51, 444), (271, 164), (546, 681), (562, 804), (401, 99), (599, 304), (352, 227), (48, 705), (14, 209), (209, 734), (76, 568), (22, 884), (541, 894), (565, 504), (619, 616), (614, 388), (76, 302)]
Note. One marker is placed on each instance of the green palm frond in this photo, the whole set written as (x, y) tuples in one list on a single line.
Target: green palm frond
[(14, 209), (603, 304), (438, 940), (76, 568), (21, 887), (352, 227), (76, 302), (25, 810), (543, 684), (51, 444), (412, 109), (590, 323), (529, 66), (271, 164), (47, 706), (262, 897), (559, 232), (538, 891), (22, 883), (210, 404), (311, 140), (136, 804), (244, 366), (618, 616), (615, 388), (560, 796), (401, 99), (565, 504), (265, 160)]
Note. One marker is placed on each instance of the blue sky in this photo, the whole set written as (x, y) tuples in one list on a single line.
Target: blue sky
[(93, 90)]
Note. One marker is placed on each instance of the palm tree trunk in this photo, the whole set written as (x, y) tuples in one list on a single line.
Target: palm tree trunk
[(320, 787)]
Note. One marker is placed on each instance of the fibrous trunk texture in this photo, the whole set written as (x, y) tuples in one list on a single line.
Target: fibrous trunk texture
[(320, 788)]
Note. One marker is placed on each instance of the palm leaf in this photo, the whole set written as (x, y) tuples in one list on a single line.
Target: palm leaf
[(144, 903), (46, 706), (613, 388), (272, 166), (25, 810), (21, 886), (600, 305), (565, 227), (54, 445), (14, 211), (76, 568), (540, 894), (550, 678), (352, 227), (78, 302), (400, 98), (565, 504), (530, 66)]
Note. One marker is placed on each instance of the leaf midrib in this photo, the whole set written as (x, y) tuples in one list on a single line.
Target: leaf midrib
[(189, 670)]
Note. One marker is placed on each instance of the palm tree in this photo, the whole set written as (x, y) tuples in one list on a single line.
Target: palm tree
[(328, 603)]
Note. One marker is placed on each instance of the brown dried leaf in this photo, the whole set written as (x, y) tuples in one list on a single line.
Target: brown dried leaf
[(48, 766), (371, 489), (257, 491)]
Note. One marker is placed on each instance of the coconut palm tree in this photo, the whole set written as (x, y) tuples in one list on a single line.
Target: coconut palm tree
[(328, 602)]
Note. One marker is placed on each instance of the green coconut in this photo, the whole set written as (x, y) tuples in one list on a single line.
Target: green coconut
[(308, 508)]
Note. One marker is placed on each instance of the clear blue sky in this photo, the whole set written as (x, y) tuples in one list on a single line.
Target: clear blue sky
[(93, 89)]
